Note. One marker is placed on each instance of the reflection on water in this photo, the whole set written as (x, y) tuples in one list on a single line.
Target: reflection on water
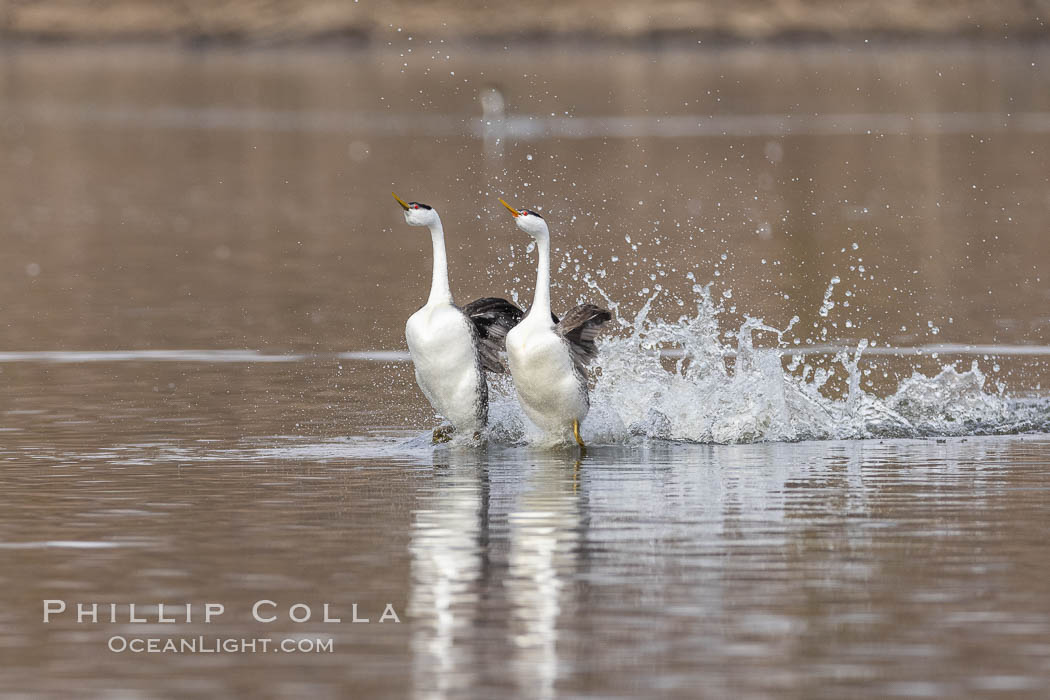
[(545, 531), (203, 394), (483, 543), (448, 564)]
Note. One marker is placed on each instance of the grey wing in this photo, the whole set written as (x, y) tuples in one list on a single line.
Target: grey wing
[(492, 318), (580, 327)]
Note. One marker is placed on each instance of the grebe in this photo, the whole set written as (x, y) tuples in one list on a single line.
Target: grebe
[(453, 347), (548, 357)]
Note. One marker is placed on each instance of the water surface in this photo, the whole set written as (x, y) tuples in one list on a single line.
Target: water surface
[(205, 396)]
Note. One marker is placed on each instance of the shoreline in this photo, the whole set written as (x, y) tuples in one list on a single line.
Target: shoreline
[(539, 22), (566, 43)]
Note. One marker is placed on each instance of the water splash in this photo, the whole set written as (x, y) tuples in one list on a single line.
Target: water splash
[(723, 388)]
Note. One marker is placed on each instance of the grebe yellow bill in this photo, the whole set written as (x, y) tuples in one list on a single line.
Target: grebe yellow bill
[(548, 358), (453, 347)]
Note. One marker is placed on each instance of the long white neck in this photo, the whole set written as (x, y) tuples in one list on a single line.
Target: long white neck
[(439, 291), (541, 303)]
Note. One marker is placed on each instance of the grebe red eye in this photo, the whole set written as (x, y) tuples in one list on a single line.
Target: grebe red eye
[(415, 206)]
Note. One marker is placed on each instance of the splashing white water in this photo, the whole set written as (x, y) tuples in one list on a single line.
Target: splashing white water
[(717, 392)]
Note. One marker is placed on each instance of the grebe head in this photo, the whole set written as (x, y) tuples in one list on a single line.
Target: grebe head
[(417, 213), (529, 221)]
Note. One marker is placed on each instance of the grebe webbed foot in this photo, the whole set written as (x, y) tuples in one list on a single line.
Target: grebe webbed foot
[(443, 433), (576, 434)]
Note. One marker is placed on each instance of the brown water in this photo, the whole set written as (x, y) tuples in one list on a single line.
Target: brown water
[(201, 254)]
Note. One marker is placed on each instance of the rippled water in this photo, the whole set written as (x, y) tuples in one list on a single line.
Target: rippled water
[(819, 447)]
